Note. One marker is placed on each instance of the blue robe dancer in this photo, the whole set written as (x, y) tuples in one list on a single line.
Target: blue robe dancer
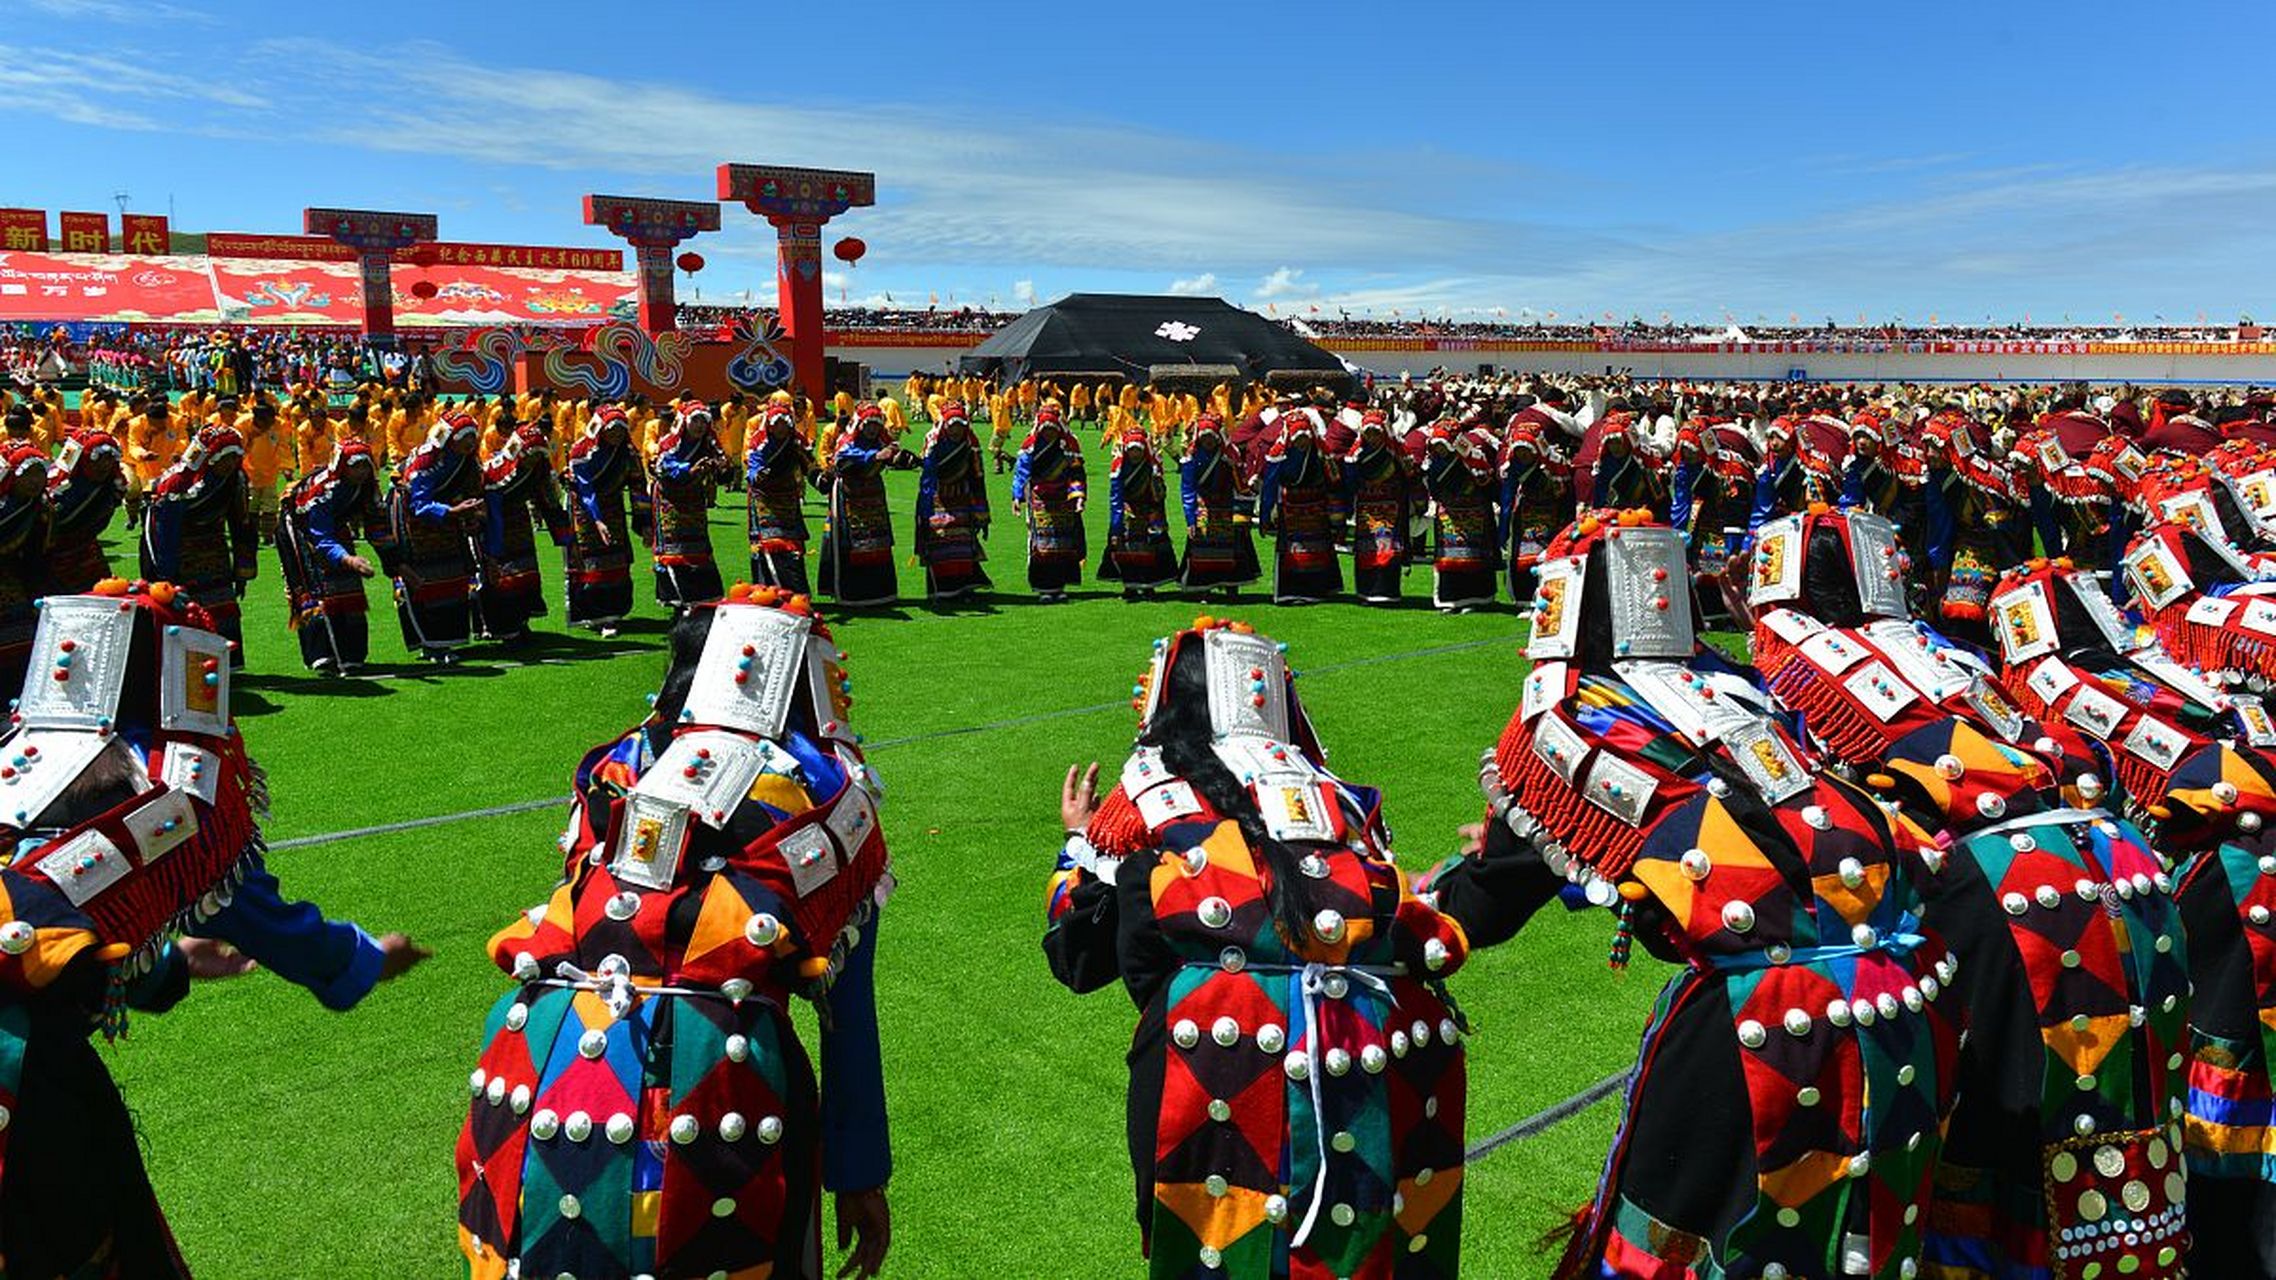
[(689, 463), (521, 500), (1048, 483), (1138, 551), (857, 545), (1220, 548), (952, 507), (601, 467), (435, 505), (777, 466), (198, 531), (1296, 501), (323, 574)]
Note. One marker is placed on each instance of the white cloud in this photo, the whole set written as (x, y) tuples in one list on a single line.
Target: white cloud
[(1023, 292), (1205, 283), (119, 10), (835, 281), (1286, 282)]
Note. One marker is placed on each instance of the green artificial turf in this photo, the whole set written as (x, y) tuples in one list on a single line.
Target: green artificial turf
[(286, 1141)]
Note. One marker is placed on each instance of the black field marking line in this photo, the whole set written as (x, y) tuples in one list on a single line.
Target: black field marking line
[(1549, 1118)]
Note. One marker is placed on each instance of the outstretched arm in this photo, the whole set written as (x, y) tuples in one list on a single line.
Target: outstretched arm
[(335, 960)]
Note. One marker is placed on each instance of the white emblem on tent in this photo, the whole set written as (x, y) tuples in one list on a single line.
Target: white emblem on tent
[(1178, 331)]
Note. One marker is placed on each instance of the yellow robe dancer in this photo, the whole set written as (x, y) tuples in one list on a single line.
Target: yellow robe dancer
[(1000, 430), (731, 426), (154, 442), (269, 453), (315, 433), (402, 433), (51, 425), (1079, 403)]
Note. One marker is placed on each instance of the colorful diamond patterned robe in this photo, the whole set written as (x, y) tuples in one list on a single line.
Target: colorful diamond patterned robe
[(1295, 1110)]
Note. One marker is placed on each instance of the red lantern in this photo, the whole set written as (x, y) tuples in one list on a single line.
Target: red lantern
[(424, 289), (690, 262), (849, 250)]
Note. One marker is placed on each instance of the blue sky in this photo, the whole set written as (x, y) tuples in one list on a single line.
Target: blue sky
[(1960, 160)]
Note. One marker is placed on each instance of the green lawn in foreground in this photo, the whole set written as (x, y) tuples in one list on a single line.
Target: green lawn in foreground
[(290, 1142)]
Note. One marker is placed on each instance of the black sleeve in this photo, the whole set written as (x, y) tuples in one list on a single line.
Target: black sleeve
[(1494, 892), (1081, 944)]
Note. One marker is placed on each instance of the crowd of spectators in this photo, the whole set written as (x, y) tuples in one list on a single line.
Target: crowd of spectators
[(231, 360), (708, 318), (1638, 331)]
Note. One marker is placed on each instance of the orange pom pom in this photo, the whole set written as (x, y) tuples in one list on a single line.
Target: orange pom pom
[(162, 592), (1820, 508), (111, 587)]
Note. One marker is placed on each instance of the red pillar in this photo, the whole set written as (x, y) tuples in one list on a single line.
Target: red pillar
[(655, 228), (374, 235), (796, 202), (379, 293), (798, 299), (659, 306)]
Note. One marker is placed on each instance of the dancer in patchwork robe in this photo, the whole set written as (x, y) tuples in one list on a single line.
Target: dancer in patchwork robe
[(643, 1104), (2066, 1100), (2198, 763), (1296, 1058), (1786, 1115)]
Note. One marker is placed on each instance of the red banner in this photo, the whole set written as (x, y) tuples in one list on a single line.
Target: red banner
[(89, 287), (230, 244), (23, 229), (145, 233), (84, 232), (332, 293)]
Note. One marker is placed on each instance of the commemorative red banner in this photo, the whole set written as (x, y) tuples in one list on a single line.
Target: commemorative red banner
[(84, 232), (331, 293), (231, 244), (35, 286), (23, 229), (145, 233)]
